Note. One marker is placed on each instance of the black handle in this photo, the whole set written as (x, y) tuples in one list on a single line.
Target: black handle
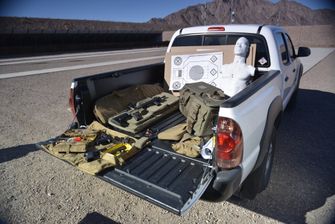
[(286, 78), (293, 70)]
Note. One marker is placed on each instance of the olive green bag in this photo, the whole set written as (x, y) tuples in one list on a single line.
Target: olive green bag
[(200, 103)]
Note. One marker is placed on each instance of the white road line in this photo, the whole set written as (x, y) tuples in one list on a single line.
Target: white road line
[(79, 54), (74, 56), (42, 71)]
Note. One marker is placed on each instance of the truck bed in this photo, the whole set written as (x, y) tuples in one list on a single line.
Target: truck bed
[(157, 174)]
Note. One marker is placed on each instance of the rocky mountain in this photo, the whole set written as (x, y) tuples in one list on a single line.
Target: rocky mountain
[(43, 25), (284, 12)]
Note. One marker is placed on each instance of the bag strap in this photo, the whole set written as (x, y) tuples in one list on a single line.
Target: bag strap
[(192, 117)]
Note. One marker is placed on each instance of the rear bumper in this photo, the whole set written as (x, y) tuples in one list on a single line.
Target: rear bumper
[(224, 185)]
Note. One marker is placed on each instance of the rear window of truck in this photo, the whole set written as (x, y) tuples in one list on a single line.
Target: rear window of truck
[(262, 53)]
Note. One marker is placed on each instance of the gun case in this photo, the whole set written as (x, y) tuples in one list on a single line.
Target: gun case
[(145, 113)]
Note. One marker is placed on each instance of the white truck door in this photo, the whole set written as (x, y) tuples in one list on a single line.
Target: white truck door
[(288, 66), (292, 59)]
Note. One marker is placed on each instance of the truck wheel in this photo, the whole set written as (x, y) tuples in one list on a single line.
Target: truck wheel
[(268, 161), (259, 179)]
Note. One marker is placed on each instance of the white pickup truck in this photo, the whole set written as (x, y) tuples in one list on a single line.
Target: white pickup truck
[(245, 131)]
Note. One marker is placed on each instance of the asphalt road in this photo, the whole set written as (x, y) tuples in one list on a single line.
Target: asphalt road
[(38, 188), (16, 67)]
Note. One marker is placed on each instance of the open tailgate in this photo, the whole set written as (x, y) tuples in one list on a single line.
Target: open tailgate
[(167, 179)]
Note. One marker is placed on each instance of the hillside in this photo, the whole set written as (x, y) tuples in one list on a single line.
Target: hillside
[(284, 13), (43, 25)]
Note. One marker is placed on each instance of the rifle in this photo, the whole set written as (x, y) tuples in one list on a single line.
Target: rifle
[(136, 111)]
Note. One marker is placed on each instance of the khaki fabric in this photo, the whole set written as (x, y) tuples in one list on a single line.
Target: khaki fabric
[(106, 160), (118, 101), (76, 140), (72, 158), (86, 134), (188, 146), (174, 134), (71, 147), (95, 166)]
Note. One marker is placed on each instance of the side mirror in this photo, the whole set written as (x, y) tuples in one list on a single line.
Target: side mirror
[(303, 52)]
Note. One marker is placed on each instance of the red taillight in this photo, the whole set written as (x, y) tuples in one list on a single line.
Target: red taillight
[(229, 143), (216, 28), (71, 99)]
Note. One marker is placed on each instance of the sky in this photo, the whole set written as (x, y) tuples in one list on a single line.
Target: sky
[(111, 10)]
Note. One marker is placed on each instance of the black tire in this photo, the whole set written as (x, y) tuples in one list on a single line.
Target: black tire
[(267, 164), (259, 179)]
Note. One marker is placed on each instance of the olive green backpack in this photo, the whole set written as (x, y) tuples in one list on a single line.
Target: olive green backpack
[(199, 103)]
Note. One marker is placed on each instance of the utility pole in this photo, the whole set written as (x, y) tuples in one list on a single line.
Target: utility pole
[(205, 13), (278, 18), (232, 20), (232, 12)]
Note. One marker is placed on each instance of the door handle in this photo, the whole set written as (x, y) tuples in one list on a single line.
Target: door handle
[(286, 78)]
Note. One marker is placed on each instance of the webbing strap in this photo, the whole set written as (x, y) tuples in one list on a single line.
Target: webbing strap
[(192, 118)]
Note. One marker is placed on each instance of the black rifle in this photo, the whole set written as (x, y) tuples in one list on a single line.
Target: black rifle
[(93, 155)]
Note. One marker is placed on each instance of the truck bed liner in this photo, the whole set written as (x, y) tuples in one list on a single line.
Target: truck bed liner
[(163, 177)]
